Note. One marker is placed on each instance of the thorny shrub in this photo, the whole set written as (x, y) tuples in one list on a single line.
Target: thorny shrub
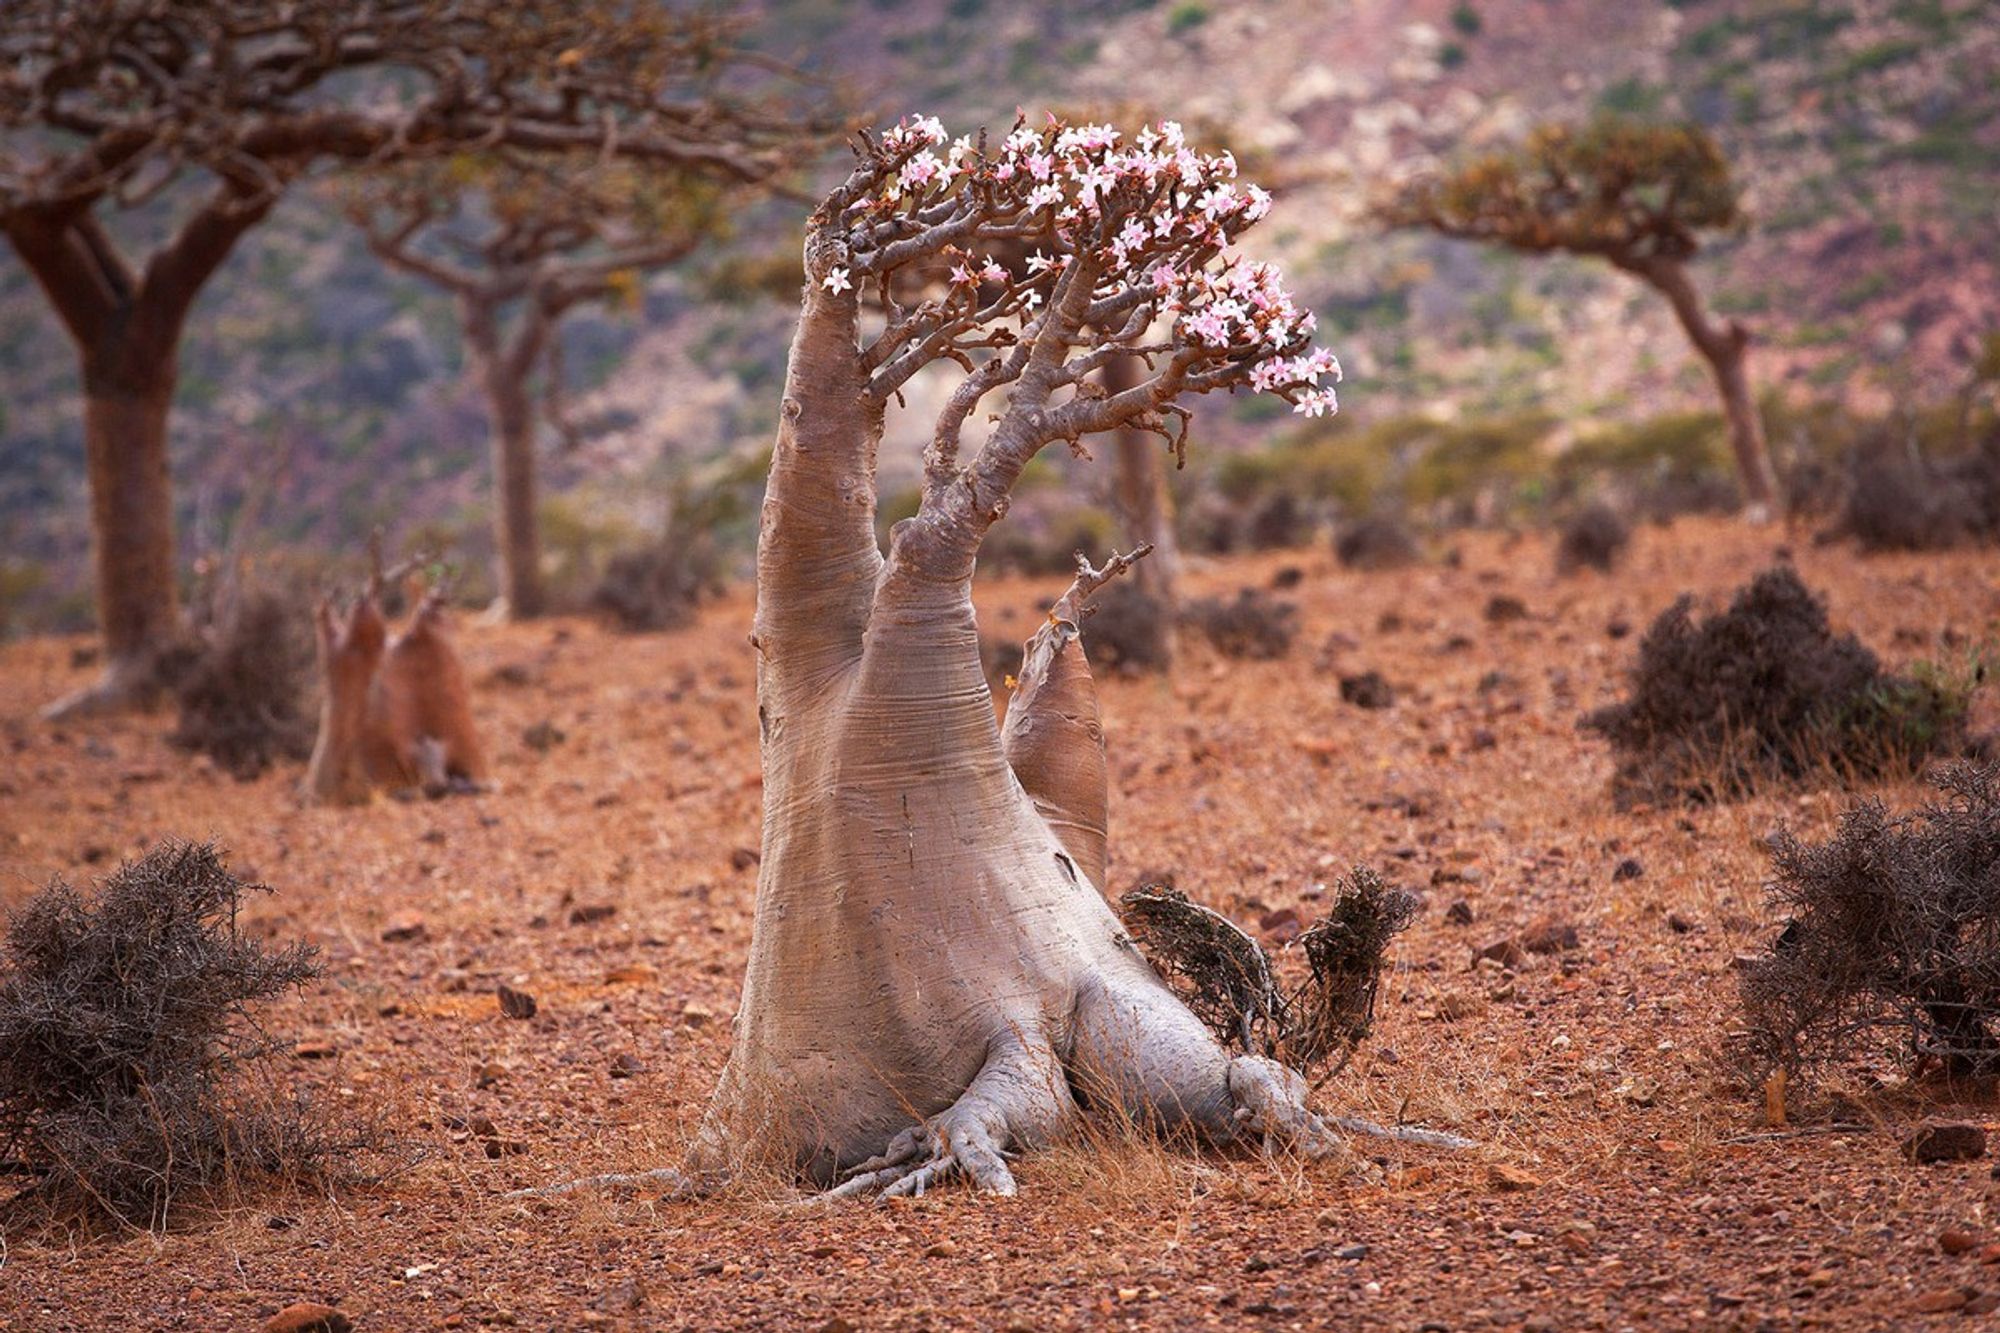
[(129, 1055), (1379, 541), (244, 685), (1125, 630), (1228, 980), (1594, 538), (1899, 501), (1893, 938), (1765, 691), (1252, 625), (656, 587)]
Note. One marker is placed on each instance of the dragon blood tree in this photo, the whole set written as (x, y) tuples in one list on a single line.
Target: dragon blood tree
[(935, 978)]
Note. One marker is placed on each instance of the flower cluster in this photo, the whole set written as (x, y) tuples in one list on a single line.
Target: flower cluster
[(1150, 217)]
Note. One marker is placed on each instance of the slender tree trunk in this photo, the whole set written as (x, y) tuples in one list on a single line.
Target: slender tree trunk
[(1726, 349), (1146, 513), (503, 373)]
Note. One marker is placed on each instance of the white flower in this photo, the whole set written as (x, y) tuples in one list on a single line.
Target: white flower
[(836, 281)]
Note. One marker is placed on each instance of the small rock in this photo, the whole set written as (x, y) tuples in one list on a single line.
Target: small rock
[(1459, 913), (941, 1249), (308, 1317), (1328, 1219), (583, 914), (1618, 629), (626, 1065), (1630, 868), (1958, 1241), (1679, 924), (1549, 936), (1940, 1302), (1482, 738), (632, 974), (1502, 609), (516, 1003), (743, 858), (696, 1015), (1505, 951), (405, 928), (1281, 926), (1351, 1252), (1944, 1141), (315, 1050), (489, 1073), (1454, 1005), (543, 736), (1511, 1179), (1985, 1302), (1989, 1253), (1368, 690)]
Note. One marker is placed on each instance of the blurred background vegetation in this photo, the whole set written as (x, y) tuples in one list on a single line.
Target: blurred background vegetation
[(1483, 386)]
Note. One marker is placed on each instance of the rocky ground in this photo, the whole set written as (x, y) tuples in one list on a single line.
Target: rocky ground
[(1624, 1178)]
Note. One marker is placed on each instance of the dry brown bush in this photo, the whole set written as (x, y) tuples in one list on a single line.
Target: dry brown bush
[(1252, 625), (1766, 691), (130, 1057), (1893, 939)]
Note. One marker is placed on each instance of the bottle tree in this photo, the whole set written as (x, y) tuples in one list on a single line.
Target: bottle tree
[(934, 970)]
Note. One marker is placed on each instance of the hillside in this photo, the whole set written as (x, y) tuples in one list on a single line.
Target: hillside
[(1868, 131)]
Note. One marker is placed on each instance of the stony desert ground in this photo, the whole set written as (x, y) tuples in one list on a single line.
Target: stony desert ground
[(1624, 1176)]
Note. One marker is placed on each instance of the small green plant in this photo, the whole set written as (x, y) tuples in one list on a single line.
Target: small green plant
[(1465, 18), (1186, 16)]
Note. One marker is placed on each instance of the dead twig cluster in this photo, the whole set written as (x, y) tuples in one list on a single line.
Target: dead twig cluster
[(1231, 983)]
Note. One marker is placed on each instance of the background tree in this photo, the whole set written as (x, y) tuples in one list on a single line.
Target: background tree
[(206, 111), (1636, 195), (932, 966), (519, 242)]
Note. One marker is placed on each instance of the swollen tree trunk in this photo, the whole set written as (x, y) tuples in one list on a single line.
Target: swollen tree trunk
[(1146, 513), (934, 976), (1726, 349), (503, 372)]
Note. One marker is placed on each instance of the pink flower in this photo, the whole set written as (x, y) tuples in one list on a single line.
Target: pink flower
[(993, 272), (836, 281)]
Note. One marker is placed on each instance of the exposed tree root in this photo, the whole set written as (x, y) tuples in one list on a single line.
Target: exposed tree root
[(127, 685)]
